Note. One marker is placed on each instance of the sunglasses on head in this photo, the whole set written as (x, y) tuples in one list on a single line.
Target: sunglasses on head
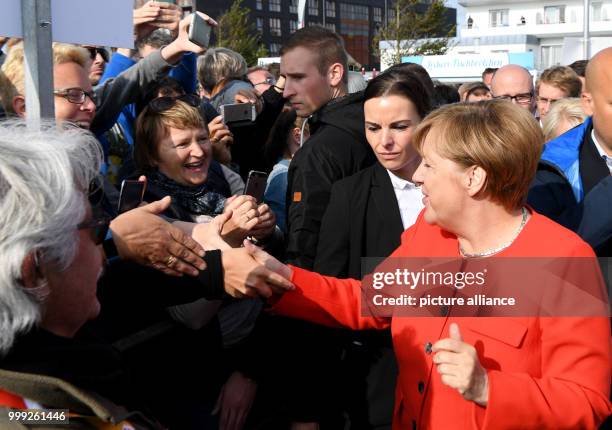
[(161, 104), (95, 51)]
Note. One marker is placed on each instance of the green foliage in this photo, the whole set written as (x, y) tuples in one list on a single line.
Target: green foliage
[(236, 32), (412, 22)]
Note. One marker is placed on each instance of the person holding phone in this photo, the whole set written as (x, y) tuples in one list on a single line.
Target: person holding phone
[(174, 152)]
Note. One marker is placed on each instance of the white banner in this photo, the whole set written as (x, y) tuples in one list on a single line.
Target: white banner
[(86, 22)]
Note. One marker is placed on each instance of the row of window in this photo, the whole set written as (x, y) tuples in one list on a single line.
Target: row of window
[(275, 26), (330, 9), (551, 15)]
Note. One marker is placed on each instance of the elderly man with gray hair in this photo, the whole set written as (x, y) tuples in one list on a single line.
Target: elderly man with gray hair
[(51, 229)]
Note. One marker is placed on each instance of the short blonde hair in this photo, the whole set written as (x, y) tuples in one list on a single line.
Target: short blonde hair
[(569, 110), (12, 80), (153, 126), (561, 77), (503, 139)]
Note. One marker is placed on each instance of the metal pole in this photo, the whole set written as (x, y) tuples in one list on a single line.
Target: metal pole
[(585, 36), (38, 61)]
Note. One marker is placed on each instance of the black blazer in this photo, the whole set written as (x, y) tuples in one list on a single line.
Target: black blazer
[(362, 220)]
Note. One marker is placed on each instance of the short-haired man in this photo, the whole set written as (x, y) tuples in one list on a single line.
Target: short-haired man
[(261, 79), (514, 83), (573, 185), (487, 75), (556, 83), (314, 64), (579, 66)]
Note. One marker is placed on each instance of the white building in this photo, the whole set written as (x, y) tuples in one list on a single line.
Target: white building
[(535, 34), (552, 30)]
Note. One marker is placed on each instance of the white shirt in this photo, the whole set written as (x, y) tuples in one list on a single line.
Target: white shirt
[(409, 199), (601, 151)]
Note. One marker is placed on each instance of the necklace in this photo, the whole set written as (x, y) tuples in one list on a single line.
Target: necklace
[(501, 247)]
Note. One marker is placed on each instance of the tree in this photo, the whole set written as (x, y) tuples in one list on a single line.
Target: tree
[(236, 32), (416, 28)]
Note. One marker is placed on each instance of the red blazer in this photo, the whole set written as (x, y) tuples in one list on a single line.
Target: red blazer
[(543, 372)]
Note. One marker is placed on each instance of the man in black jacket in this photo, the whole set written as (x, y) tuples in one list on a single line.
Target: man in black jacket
[(314, 63)]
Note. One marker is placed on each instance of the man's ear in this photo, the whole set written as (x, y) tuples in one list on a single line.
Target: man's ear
[(587, 103), (335, 73), (19, 106), (476, 180), (30, 272)]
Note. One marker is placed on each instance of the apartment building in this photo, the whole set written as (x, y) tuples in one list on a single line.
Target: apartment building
[(551, 30)]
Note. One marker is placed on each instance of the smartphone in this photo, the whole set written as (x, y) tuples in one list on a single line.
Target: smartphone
[(131, 195), (168, 1), (238, 113), (199, 31), (256, 185)]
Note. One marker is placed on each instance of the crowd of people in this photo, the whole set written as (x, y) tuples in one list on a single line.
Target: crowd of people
[(205, 307)]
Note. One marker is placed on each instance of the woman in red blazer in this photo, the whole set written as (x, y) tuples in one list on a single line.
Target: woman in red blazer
[(468, 372)]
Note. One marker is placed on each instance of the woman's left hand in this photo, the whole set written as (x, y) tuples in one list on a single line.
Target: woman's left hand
[(234, 402), (267, 222), (458, 364), (219, 132)]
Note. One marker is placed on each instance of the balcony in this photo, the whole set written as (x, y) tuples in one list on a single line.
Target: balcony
[(538, 30)]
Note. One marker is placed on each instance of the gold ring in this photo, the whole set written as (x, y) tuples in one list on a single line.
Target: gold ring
[(171, 261)]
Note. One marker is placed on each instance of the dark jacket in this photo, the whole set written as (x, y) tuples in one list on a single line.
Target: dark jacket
[(337, 148), (558, 190), (362, 220)]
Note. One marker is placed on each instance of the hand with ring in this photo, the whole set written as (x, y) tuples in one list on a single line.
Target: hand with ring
[(266, 224), (244, 218)]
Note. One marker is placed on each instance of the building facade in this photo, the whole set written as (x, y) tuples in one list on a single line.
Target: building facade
[(552, 30)]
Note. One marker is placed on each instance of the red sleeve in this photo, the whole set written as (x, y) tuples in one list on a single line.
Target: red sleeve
[(328, 301)]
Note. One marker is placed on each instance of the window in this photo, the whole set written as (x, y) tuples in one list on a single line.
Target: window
[(274, 49), (330, 26), (313, 7), (330, 9), (293, 24), (275, 27), (259, 4), (377, 14), (274, 5), (293, 6), (554, 15), (550, 56), (498, 18), (354, 20), (259, 24), (596, 11)]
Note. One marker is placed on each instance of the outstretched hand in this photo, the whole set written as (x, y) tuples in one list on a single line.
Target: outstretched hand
[(247, 277), (141, 235)]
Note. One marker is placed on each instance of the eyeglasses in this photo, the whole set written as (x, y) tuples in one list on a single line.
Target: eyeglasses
[(75, 95), (98, 228), (267, 81), (522, 99), (162, 104), (93, 52)]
